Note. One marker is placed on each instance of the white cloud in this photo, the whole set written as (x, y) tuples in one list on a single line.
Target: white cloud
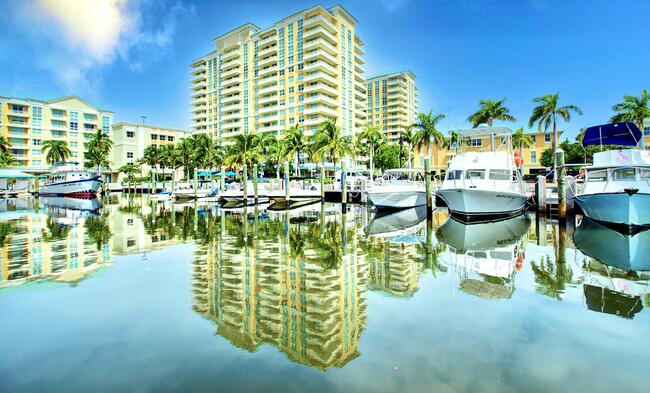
[(82, 36)]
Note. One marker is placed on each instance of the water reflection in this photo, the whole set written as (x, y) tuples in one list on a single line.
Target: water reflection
[(490, 250), (617, 270), (59, 244), (300, 280)]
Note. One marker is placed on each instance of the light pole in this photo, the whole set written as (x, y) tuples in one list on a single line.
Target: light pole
[(143, 118)]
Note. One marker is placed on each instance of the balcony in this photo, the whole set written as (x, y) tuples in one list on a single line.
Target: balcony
[(268, 109), (268, 99), (321, 66), (321, 88), (231, 98), (199, 108), (225, 66), (231, 90), (358, 69), (269, 60), (358, 49), (58, 135), (231, 116), (320, 32), (199, 69), (231, 125), (320, 54), (267, 71), (321, 98), (199, 116), (199, 92), (358, 59), (360, 95), (313, 122), (271, 128), (230, 82), (56, 126), (320, 43), (267, 51), (270, 39), (199, 78), (230, 73), (320, 20), (268, 89), (19, 113), (230, 55), (268, 119), (321, 109), (319, 76)]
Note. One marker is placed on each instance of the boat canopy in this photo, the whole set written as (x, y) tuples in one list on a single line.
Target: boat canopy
[(484, 129), (623, 134), (14, 174)]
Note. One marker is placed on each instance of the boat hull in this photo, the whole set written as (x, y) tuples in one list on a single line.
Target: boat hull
[(483, 203), (617, 208), (239, 198), (185, 195), (397, 198), (77, 188)]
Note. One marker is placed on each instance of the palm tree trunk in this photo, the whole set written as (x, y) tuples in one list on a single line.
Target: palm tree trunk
[(372, 166), (297, 163), (554, 151)]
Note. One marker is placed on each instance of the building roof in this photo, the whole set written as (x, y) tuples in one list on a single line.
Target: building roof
[(28, 101), (125, 123), (388, 73), (14, 174)]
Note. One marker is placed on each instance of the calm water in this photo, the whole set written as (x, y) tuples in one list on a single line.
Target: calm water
[(146, 296)]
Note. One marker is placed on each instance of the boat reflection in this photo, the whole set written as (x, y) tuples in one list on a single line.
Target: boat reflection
[(396, 223), (617, 270), (490, 250)]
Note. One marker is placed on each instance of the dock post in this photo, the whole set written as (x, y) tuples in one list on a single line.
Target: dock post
[(36, 185), (570, 193), (364, 197), (561, 181), (344, 193), (322, 183), (173, 180), (540, 193), (427, 179), (255, 183), (287, 194), (196, 185), (222, 183), (245, 183)]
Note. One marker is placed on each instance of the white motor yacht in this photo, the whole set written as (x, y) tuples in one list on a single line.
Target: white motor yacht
[(398, 189), (69, 179), (484, 184), (617, 186), (186, 191)]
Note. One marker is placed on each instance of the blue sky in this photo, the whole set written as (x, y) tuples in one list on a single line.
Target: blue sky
[(132, 57)]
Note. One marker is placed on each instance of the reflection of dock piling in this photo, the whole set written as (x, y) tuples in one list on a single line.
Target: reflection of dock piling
[(427, 179)]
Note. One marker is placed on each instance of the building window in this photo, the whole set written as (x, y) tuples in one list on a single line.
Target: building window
[(74, 145), (533, 157), (476, 142), (129, 154), (533, 138), (646, 131), (130, 134), (547, 138), (36, 142), (170, 138), (154, 137)]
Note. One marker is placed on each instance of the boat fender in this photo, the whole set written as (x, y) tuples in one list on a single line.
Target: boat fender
[(518, 160)]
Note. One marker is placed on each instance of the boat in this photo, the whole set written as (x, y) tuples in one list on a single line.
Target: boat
[(186, 191), (486, 255), (484, 184), (398, 189), (163, 195), (297, 197), (396, 223), (69, 179), (617, 186), (236, 195)]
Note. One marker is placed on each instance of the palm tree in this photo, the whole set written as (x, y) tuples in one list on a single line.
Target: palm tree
[(151, 157), (184, 151), (328, 141), (634, 109), (489, 111), (522, 140), (4, 144), (546, 114), (7, 160), (427, 132), (96, 158), (408, 137), (101, 142), (372, 135), (293, 143), (56, 151), (129, 170), (244, 151)]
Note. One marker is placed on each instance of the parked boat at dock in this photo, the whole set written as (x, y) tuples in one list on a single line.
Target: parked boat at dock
[(69, 179), (484, 184), (297, 197), (398, 189), (617, 186), (186, 191)]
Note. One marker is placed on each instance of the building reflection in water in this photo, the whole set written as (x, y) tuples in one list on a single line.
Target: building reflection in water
[(59, 239)]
